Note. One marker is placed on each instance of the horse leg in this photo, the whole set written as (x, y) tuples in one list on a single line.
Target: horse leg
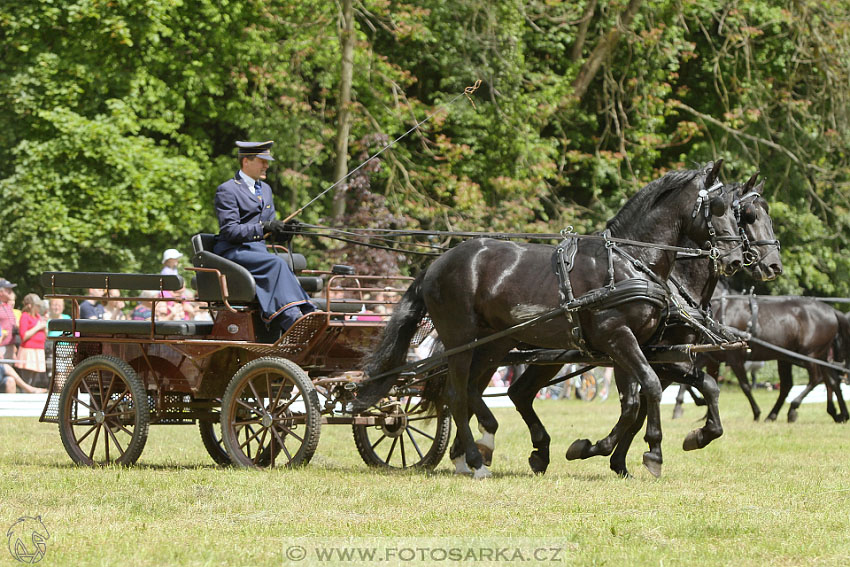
[(707, 386), (785, 383), (814, 380), (522, 392), (744, 381), (832, 379), (680, 401), (618, 457), (487, 423), (630, 405), (630, 361), (457, 394)]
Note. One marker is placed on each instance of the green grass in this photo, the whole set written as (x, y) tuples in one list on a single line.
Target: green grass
[(763, 494)]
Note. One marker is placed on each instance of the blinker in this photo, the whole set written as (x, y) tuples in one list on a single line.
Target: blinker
[(748, 214), (717, 206)]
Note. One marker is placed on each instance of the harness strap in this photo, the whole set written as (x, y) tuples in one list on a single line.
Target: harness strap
[(753, 324), (797, 355)]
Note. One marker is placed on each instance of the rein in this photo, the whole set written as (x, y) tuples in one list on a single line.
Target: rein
[(350, 235)]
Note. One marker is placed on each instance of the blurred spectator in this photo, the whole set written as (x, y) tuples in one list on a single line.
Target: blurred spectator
[(33, 329), (114, 309), (142, 312), (170, 259), (202, 311), (10, 381), (8, 324), (92, 308), (56, 310)]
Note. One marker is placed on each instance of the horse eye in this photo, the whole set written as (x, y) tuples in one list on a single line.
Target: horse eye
[(717, 207), (748, 215)]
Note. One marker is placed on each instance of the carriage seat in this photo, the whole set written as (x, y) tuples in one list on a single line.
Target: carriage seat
[(107, 327), (240, 283)]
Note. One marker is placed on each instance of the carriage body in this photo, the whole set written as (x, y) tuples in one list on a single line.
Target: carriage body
[(112, 379)]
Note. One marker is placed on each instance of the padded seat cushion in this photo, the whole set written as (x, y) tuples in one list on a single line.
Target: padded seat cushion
[(107, 327)]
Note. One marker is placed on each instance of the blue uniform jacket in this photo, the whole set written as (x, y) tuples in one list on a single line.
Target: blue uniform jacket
[(240, 213), (240, 239)]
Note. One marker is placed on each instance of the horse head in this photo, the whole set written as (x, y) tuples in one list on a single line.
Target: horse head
[(713, 220), (761, 247)]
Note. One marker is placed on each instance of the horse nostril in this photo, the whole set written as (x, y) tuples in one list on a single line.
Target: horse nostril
[(735, 266), (776, 268)]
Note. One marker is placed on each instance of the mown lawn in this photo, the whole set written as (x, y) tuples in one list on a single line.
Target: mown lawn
[(764, 494)]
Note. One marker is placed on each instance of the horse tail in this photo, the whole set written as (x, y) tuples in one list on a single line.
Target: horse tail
[(393, 346)]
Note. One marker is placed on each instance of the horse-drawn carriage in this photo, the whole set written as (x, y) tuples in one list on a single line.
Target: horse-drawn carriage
[(602, 299), (259, 398)]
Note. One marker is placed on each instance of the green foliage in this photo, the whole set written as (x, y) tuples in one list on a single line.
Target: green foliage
[(118, 118)]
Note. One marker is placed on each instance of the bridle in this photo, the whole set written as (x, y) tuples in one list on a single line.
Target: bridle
[(704, 203), (750, 253)]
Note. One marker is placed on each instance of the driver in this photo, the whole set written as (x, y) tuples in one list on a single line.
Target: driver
[(246, 217)]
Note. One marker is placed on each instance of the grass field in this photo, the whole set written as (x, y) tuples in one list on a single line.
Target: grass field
[(763, 494)]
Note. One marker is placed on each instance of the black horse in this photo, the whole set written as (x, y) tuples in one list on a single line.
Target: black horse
[(694, 281), (801, 325), (485, 286)]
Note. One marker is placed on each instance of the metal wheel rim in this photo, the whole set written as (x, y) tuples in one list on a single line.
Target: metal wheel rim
[(267, 430), (101, 418)]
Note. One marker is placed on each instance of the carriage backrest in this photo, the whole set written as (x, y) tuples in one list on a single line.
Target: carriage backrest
[(241, 288)]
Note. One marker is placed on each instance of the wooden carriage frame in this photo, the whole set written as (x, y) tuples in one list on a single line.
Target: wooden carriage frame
[(259, 399)]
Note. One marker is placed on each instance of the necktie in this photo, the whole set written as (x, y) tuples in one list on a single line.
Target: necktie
[(258, 191)]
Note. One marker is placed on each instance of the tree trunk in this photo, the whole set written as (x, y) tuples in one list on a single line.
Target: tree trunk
[(343, 114), (604, 49), (581, 35)]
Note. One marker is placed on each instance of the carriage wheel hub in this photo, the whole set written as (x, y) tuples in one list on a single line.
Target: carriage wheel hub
[(394, 425), (99, 417), (267, 419)]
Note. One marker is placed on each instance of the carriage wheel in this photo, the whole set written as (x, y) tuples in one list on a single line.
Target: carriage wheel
[(586, 388), (211, 436), (270, 415), (103, 413), (418, 436)]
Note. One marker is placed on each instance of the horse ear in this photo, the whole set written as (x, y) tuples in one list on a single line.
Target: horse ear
[(713, 172), (751, 182), (759, 188)]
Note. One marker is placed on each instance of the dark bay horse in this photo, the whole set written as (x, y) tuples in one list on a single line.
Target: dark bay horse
[(485, 286), (801, 325), (694, 281), (697, 282)]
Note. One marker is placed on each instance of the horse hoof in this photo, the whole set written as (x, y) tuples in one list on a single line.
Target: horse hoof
[(677, 412), (578, 449), (460, 465), (756, 416), (537, 463), (482, 473), (693, 440), (624, 474), (770, 417), (792, 416), (486, 453), (652, 464)]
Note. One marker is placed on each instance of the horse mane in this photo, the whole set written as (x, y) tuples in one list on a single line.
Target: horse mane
[(642, 202)]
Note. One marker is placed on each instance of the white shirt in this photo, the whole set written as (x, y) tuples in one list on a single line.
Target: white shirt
[(249, 182)]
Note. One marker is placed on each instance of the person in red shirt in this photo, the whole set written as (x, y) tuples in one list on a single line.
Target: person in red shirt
[(7, 321), (33, 329)]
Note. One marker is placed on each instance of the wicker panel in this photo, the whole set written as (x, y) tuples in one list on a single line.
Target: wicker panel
[(66, 356), (425, 328)]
